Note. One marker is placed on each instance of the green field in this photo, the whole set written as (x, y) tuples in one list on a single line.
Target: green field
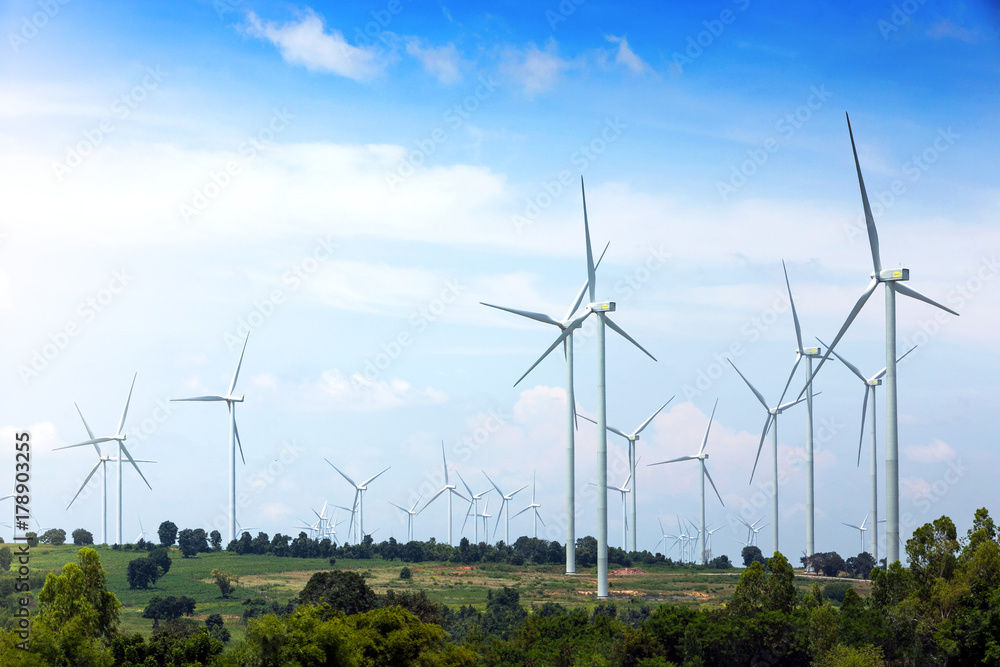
[(280, 579)]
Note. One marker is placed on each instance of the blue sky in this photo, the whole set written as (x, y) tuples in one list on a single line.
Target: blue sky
[(201, 169)]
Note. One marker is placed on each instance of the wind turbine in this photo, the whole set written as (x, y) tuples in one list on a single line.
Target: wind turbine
[(632, 438), (359, 497), (807, 353), (772, 420), (504, 504), (893, 280), (702, 457), (567, 323), (486, 518), (448, 487), (666, 536), (601, 309), (410, 513), (234, 436), (142, 531), (118, 437), (861, 529), (353, 512), (533, 506), (623, 490), (473, 506), (870, 385)]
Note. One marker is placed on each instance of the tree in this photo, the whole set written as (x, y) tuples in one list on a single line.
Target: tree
[(504, 613), (216, 539), (168, 533), (225, 581), (142, 573), (82, 537), (188, 542), (720, 562), (344, 591), (860, 566), (53, 536), (162, 559), (77, 614), (168, 608), (6, 558), (31, 537), (751, 555)]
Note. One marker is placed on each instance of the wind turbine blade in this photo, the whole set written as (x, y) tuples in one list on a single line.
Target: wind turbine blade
[(95, 441), (585, 417), (132, 461), (618, 432), (467, 513), (539, 317), (785, 406), (198, 398), (82, 486), (854, 369), (914, 294), (708, 428), (756, 393), (460, 495), (864, 411), (882, 372), (705, 469), (463, 483), (393, 504), (121, 423), (522, 512), (539, 516), (795, 317), (87, 426), (232, 385), (788, 382), (372, 479), (236, 432), (843, 329), (519, 490), (349, 480), (621, 332), (862, 527), (591, 269), (851, 525), (494, 485), (444, 459), (583, 290), (562, 336), (763, 434), (683, 458), (647, 422), (869, 219)]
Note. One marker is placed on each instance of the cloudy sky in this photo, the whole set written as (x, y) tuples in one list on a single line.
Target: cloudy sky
[(348, 182)]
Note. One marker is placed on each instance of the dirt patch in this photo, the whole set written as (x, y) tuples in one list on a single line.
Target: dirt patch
[(626, 571)]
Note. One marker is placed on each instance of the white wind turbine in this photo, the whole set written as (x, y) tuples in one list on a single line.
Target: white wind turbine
[(486, 518), (861, 530), (359, 498), (473, 507), (771, 421), (354, 512), (533, 506), (623, 490), (234, 435), (451, 490), (632, 438), (410, 513), (601, 309), (142, 531), (504, 504), (702, 457), (102, 461), (666, 536), (870, 385), (118, 437), (567, 323), (893, 280)]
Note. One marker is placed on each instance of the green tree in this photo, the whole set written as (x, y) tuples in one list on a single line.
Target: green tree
[(82, 537), (142, 573), (343, 591), (162, 559), (53, 536), (6, 558), (751, 555), (504, 613), (216, 539), (168, 533), (77, 614), (188, 542), (225, 581)]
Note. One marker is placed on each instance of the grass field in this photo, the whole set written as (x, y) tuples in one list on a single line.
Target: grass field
[(281, 579)]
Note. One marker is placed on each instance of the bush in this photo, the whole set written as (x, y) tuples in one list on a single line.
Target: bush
[(82, 537), (142, 573), (836, 590), (6, 558), (403, 574)]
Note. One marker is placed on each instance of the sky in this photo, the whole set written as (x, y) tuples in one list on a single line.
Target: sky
[(347, 182)]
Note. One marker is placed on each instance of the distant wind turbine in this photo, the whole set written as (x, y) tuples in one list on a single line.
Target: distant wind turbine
[(359, 497), (410, 513), (448, 488), (504, 504), (861, 530), (533, 506)]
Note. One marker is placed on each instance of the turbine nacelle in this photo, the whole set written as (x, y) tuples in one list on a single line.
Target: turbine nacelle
[(601, 307), (892, 275)]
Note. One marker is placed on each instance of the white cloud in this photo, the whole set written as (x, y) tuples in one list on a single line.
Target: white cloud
[(536, 70), (933, 452), (627, 57), (306, 42), (441, 61), (357, 392)]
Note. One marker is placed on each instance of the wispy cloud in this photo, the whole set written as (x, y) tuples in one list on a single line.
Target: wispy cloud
[(536, 70), (934, 452), (307, 42), (945, 29), (441, 61), (627, 57)]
